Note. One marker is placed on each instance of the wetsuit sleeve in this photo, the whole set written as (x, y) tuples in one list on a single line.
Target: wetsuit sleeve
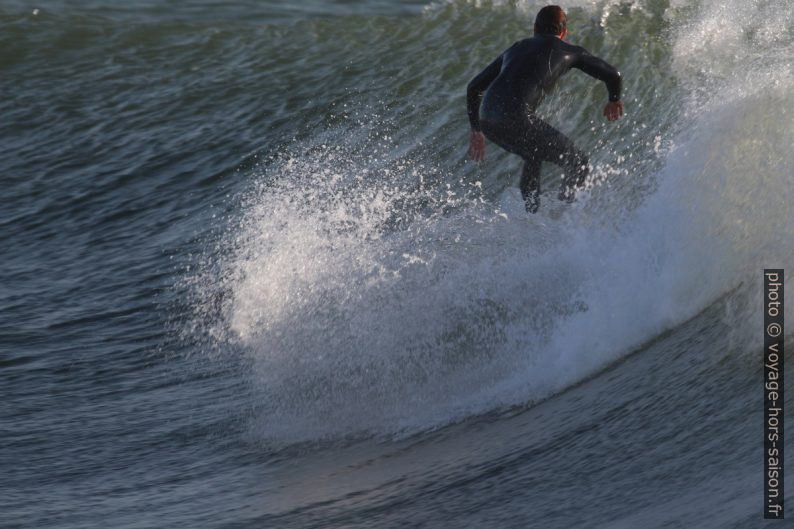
[(601, 70), (477, 88)]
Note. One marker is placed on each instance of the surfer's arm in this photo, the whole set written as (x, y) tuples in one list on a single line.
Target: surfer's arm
[(477, 88), (601, 70)]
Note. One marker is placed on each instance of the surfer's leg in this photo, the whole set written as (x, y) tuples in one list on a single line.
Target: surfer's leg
[(517, 138), (556, 147), (530, 183), (577, 167)]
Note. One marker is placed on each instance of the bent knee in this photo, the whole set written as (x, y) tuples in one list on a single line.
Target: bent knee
[(580, 166), (581, 162)]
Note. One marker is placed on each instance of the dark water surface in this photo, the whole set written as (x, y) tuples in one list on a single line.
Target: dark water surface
[(249, 280)]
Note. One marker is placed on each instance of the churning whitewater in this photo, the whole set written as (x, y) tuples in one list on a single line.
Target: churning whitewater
[(378, 292)]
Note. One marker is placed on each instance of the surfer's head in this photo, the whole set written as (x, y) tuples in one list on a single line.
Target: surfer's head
[(551, 20)]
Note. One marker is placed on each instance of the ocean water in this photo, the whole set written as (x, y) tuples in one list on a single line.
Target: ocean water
[(250, 280)]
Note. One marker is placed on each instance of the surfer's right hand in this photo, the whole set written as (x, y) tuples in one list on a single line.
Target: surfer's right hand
[(476, 146)]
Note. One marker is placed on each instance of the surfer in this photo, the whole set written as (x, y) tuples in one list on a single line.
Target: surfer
[(502, 99)]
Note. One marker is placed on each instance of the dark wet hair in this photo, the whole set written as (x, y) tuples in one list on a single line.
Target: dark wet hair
[(551, 20)]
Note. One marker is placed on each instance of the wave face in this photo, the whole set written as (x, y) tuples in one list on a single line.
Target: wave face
[(250, 280), (381, 287)]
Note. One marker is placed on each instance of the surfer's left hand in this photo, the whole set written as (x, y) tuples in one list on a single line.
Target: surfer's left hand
[(613, 110), (476, 146)]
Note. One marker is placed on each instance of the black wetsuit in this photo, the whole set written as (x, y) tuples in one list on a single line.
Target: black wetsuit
[(513, 85)]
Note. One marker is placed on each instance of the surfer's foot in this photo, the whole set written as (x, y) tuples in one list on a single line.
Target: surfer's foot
[(532, 201)]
